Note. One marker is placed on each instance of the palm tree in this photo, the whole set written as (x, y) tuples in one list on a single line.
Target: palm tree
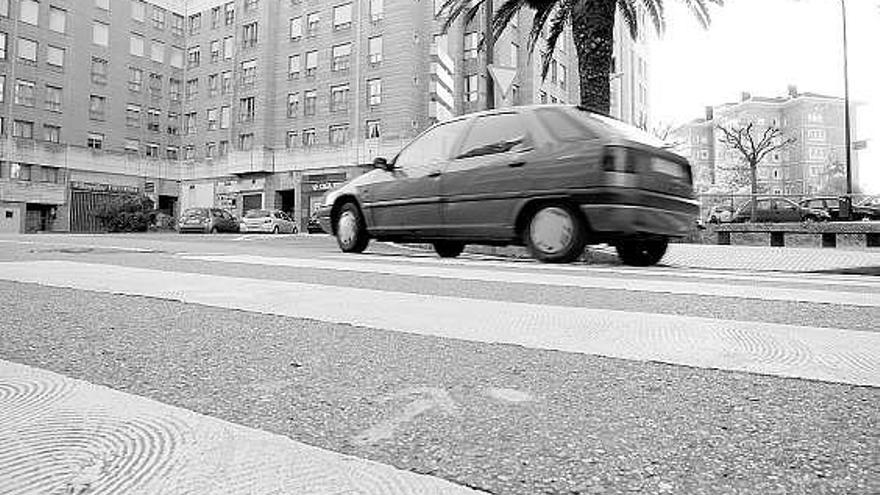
[(592, 23)]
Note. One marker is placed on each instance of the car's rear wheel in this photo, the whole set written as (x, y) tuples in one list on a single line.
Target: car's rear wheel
[(214, 230), (275, 230), (555, 233), (448, 249), (351, 231), (642, 252)]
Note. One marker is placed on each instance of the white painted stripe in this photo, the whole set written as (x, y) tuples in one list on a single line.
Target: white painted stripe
[(785, 350), (754, 291), (105, 441)]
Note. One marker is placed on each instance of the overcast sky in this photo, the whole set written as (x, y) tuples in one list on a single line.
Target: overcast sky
[(762, 46)]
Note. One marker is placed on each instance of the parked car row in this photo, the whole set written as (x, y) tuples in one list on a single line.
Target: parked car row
[(781, 209), (205, 220)]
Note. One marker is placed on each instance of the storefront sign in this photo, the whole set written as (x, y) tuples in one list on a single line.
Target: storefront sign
[(91, 186), (324, 186)]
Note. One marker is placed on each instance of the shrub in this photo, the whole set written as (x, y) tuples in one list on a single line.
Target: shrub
[(127, 213)]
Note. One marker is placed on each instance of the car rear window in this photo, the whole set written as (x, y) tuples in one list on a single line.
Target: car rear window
[(195, 212), (256, 214), (563, 126), (619, 128)]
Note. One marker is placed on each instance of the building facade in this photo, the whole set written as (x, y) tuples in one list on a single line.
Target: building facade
[(813, 163), (244, 103)]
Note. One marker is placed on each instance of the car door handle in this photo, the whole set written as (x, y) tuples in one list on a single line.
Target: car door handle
[(516, 164), (435, 173)]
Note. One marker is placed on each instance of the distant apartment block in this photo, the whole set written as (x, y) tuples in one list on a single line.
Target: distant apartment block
[(815, 121), (242, 103)]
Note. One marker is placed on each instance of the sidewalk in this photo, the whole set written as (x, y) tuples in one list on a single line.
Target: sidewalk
[(715, 257)]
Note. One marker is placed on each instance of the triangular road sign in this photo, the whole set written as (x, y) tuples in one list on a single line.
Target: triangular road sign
[(503, 77)]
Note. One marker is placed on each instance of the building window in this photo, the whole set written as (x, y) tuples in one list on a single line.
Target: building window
[(247, 109), (226, 82), (246, 141), (153, 117), (95, 141), (158, 17), (193, 57), (101, 34), (195, 23), (55, 56), (309, 138), (251, 5), (310, 102), (174, 87), (133, 115), (102, 4), (296, 28), (156, 85), (817, 153), (57, 19), (177, 24), (189, 123), (172, 126), (99, 71), (228, 48), (4, 8), (54, 97), (816, 135), (157, 51), (29, 12), (225, 117), (210, 150), (171, 153), (342, 16), (189, 152), (472, 88), (97, 107), (375, 50), (3, 46), (311, 63), (249, 35), (135, 79), (213, 85), (23, 129), (52, 133), (341, 57), (223, 148), (216, 14), (24, 93), (151, 150), (248, 73), (230, 13), (290, 139), (213, 121), (215, 51), (339, 98), (377, 10), (374, 92), (2, 88), (192, 89), (293, 66), (292, 105), (136, 45), (132, 146), (312, 22), (563, 76), (471, 40), (338, 134), (176, 59), (373, 129), (138, 10), (27, 51)]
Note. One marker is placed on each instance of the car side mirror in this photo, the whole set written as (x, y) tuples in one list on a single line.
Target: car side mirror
[(380, 162)]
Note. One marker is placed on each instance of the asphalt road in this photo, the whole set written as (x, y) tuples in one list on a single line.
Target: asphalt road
[(498, 417)]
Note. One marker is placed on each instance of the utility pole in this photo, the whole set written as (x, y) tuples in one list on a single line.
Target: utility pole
[(489, 41), (846, 116)]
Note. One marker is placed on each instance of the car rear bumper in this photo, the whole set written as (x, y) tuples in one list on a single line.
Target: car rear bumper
[(639, 212), (193, 229), (261, 228)]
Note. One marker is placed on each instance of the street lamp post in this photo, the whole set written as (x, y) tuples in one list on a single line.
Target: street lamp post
[(848, 137)]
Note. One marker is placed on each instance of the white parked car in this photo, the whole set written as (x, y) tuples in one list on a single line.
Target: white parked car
[(267, 221)]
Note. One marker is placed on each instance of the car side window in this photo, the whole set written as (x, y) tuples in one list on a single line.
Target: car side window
[(784, 205), (764, 204), (492, 134), (431, 149)]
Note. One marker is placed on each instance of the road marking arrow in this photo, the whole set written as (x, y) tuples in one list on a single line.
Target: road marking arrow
[(431, 398)]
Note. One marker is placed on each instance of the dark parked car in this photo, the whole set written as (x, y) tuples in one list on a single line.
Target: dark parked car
[(868, 209), (207, 221), (774, 209), (552, 177), (829, 204), (314, 226)]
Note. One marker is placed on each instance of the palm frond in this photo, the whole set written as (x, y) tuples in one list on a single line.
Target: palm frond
[(538, 21), (504, 14), (557, 27), (655, 11), (700, 9), (630, 17), (453, 9)]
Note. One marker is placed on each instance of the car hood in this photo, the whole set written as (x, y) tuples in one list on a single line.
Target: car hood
[(350, 187)]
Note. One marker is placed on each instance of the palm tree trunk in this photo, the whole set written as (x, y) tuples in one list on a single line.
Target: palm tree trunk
[(593, 29)]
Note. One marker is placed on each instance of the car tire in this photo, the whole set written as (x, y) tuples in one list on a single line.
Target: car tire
[(275, 230), (214, 230), (642, 252), (448, 249), (555, 233), (351, 230)]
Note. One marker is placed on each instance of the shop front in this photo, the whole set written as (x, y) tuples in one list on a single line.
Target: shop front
[(314, 186)]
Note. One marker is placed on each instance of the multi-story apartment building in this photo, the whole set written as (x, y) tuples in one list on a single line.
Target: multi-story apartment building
[(243, 103), (804, 167)]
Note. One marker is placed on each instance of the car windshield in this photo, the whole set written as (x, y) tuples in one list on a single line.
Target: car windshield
[(257, 214)]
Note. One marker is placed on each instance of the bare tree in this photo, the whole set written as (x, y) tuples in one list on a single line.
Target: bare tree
[(753, 147)]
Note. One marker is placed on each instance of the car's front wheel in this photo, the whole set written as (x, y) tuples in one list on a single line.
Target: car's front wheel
[(642, 252), (351, 230), (448, 249), (555, 233)]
